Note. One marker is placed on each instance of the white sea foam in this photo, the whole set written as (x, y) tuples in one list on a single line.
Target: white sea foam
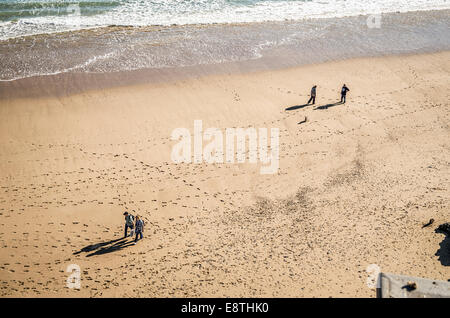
[(180, 12), (79, 66)]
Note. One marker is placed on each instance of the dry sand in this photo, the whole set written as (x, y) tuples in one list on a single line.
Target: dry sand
[(356, 182)]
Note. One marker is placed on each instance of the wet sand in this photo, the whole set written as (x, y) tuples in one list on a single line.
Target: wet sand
[(355, 185)]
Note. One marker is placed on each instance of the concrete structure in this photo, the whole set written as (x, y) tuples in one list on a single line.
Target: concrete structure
[(396, 286)]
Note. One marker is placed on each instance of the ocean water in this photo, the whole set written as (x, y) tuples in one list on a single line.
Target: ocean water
[(25, 17), (42, 37)]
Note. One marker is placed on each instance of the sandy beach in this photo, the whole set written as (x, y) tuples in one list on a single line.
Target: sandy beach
[(355, 184)]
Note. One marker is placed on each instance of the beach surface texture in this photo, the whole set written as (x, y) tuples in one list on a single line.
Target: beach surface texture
[(354, 186)]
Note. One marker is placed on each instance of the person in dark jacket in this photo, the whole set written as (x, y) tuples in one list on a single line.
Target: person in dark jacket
[(129, 223), (139, 229), (344, 91), (313, 95)]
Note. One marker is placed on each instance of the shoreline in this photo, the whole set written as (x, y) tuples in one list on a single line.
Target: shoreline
[(120, 56), (67, 84)]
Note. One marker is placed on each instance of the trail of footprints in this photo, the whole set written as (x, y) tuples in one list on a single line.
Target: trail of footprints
[(202, 255)]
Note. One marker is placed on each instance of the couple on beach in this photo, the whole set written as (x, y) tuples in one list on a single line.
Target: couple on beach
[(136, 226), (344, 91)]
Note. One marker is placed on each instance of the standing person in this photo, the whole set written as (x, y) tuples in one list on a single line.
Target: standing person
[(344, 91), (139, 228), (129, 223), (313, 95)]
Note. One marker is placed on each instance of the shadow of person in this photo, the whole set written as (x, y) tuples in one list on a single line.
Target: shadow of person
[(444, 247), (105, 247), (328, 105), (109, 249), (297, 107)]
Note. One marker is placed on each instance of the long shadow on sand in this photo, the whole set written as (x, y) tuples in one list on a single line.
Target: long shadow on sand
[(105, 247), (444, 251), (328, 105), (296, 107)]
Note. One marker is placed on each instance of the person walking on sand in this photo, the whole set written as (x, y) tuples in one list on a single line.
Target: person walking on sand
[(129, 223), (344, 91), (313, 95), (139, 229)]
